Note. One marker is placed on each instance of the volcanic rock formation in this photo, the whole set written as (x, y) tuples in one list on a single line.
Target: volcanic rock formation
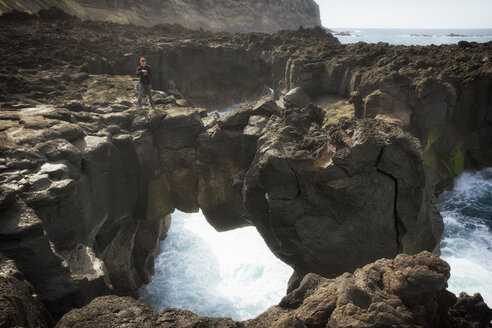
[(20, 306), (408, 291), (212, 15), (88, 181)]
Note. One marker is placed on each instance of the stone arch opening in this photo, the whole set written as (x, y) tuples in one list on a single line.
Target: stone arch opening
[(222, 274)]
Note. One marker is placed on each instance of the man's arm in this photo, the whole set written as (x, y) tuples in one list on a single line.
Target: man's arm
[(139, 71)]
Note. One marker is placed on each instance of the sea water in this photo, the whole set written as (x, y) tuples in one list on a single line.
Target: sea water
[(467, 241), (414, 36), (228, 274)]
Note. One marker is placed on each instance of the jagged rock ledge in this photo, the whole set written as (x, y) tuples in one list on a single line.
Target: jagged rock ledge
[(88, 181), (408, 291)]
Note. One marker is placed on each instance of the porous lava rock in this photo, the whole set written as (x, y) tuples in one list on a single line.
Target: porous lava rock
[(20, 306), (470, 311), (88, 180), (315, 193), (408, 291), (439, 93)]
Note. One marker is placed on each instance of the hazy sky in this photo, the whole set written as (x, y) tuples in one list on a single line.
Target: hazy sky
[(406, 13)]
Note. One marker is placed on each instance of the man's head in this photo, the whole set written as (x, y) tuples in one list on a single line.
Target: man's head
[(143, 62)]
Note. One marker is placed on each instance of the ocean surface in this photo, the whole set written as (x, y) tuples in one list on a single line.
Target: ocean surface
[(412, 36), (228, 274), (467, 241)]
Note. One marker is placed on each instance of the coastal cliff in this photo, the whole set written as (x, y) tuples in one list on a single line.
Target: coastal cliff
[(213, 15), (336, 174)]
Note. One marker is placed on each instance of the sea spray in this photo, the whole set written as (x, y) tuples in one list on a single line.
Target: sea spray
[(467, 240), (229, 274)]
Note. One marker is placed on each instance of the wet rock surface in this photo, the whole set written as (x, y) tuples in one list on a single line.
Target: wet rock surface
[(88, 180)]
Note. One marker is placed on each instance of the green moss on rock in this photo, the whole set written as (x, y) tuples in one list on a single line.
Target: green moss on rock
[(429, 157), (456, 162)]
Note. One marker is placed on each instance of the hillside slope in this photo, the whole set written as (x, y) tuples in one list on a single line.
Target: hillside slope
[(214, 15)]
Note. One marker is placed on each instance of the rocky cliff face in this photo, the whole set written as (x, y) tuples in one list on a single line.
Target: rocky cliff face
[(442, 99), (88, 180), (214, 15)]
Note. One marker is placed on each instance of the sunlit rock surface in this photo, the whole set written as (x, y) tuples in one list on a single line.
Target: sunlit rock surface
[(88, 180), (408, 291)]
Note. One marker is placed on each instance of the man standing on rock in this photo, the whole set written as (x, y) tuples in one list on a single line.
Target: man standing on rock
[(145, 74)]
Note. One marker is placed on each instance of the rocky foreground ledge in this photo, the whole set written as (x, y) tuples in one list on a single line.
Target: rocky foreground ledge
[(88, 181), (409, 291)]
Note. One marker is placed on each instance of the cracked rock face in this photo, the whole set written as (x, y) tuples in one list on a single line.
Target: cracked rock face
[(328, 200), (88, 181), (440, 94)]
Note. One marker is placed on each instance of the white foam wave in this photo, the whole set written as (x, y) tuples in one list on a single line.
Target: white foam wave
[(471, 277), (467, 241), (474, 181), (231, 274)]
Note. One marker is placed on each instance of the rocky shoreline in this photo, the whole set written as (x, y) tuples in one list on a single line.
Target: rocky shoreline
[(88, 181)]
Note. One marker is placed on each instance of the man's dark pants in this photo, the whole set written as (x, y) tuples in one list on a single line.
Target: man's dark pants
[(145, 89)]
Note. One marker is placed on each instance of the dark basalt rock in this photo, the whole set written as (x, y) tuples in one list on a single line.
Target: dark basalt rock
[(432, 99), (20, 306), (358, 181), (470, 311), (88, 180), (113, 311), (296, 98), (408, 291)]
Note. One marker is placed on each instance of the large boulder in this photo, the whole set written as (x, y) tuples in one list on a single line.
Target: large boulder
[(408, 291), (331, 200), (296, 97), (470, 311), (20, 306), (23, 239), (115, 312)]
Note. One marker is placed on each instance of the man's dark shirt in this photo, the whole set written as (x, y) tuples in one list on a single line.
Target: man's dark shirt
[(144, 78)]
